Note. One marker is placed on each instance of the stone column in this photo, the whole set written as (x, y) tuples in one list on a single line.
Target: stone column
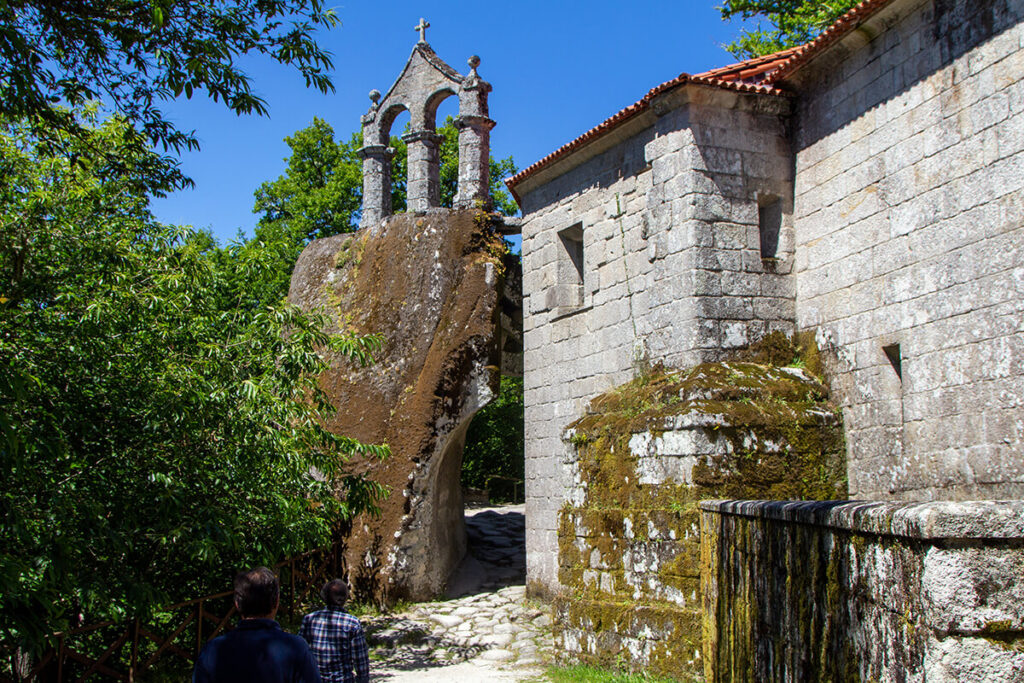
[(474, 139), (376, 184), (423, 188), (474, 160)]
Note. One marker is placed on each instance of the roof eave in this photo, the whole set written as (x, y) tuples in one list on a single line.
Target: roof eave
[(613, 123), (841, 28)]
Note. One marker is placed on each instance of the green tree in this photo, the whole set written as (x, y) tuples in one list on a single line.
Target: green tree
[(155, 431), (495, 442), (791, 23), (321, 191), (449, 154), (133, 54)]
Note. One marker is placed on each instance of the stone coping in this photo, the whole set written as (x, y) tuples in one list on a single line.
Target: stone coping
[(983, 519)]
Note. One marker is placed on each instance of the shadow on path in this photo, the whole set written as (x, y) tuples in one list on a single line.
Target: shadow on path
[(483, 625), (496, 551)]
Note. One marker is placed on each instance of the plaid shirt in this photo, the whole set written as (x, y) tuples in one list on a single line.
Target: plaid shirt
[(336, 640)]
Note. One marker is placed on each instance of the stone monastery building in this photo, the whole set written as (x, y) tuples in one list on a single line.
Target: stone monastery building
[(867, 186), (865, 190)]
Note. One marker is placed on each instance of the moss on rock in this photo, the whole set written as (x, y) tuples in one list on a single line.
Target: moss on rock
[(630, 553)]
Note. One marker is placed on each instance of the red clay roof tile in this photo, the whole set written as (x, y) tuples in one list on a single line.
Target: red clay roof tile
[(842, 26), (757, 75), (729, 82)]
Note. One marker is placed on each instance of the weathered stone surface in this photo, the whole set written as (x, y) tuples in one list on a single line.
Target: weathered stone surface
[(430, 284), (629, 540), (895, 179), (853, 591), (936, 521), (907, 216)]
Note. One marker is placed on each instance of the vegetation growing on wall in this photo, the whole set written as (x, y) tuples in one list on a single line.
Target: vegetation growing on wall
[(629, 551), (773, 403)]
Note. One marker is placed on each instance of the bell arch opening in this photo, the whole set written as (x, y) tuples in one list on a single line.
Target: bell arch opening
[(387, 122), (398, 120), (433, 103), (446, 113)]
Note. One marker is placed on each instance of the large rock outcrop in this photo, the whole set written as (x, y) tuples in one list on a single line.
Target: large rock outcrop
[(430, 283)]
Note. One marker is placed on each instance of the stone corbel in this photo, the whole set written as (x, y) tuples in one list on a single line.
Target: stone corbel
[(425, 136), (375, 151)]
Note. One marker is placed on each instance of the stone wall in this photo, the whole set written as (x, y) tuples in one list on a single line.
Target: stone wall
[(863, 591), (909, 235), (644, 454), (647, 250)]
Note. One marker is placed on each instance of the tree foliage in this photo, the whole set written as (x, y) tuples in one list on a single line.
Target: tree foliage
[(495, 442), (321, 191), (790, 23), (156, 430), (133, 54)]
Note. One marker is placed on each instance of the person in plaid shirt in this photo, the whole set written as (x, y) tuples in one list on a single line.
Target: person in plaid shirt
[(336, 638)]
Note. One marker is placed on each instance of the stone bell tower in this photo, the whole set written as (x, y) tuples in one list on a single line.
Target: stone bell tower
[(424, 83)]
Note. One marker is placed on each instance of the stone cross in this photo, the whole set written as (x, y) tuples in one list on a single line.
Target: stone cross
[(422, 28)]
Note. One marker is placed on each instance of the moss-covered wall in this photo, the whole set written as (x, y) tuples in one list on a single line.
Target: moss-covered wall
[(851, 592), (757, 427)]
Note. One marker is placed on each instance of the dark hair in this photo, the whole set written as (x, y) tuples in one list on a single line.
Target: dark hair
[(256, 592), (335, 593)]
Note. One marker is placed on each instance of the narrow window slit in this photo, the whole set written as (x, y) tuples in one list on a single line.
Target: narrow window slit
[(572, 240), (769, 221), (569, 292), (892, 352)]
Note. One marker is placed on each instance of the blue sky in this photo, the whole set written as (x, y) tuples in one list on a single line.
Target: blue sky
[(558, 68)]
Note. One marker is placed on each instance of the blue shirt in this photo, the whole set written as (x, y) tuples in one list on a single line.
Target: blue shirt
[(256, 651), (338, 644)]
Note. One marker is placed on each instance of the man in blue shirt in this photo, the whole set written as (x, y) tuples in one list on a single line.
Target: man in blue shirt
[(257, 650), (336, 638)]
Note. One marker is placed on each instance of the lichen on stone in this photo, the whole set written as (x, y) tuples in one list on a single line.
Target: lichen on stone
[(763, 428)]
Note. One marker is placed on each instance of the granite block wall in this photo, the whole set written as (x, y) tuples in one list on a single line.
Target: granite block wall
[(629, 539), (909, 197), (646, 251), (863, 591)]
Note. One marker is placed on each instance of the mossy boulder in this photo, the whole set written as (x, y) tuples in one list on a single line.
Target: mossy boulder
[(431, 285)]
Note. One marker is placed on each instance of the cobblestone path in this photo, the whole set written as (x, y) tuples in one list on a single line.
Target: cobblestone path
[(488, 632)]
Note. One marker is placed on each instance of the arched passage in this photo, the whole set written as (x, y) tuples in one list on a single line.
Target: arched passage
[(400, 122)]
